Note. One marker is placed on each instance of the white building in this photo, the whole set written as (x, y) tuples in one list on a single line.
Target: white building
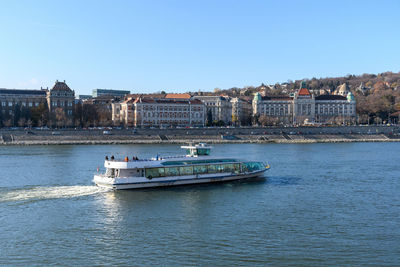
[(220, 107), (304, 107), (145, 111)]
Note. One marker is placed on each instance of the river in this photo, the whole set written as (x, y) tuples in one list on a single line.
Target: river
[(319, 204)]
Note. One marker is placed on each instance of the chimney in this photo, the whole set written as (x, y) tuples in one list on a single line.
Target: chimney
[(64, 81)]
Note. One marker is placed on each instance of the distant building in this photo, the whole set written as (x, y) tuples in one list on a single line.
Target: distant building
[(146, 112), (11, 99), (62, 98), (117, 93), (219, 106), (304, 107), (241, 111), (275, 108), (84, 97)]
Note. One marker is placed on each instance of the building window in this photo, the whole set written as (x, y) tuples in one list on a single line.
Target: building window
[(3, 103), (10, 104), (30, 104)]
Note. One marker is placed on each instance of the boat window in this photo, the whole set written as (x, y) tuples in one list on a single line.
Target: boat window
[(220, 168), (172, 171), (152, 172), (186, 170), (203, 151), (110, 172), (228, 168), (212, 169), (199, 169), (236, 167), (252, 166), (186, 162)]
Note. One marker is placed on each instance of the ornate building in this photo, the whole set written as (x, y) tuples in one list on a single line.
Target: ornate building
[(15, 103), (219, 106), (146, 111), (305, 108), (61, 100)]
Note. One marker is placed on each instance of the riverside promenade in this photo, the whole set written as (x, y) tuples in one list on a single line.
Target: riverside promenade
[(209, 135)]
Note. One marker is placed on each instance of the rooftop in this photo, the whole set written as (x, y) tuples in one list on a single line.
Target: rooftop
[(22, 92), (61, 86)]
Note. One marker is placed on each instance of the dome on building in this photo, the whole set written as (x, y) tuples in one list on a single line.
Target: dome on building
[(343, 90), (350, 97)]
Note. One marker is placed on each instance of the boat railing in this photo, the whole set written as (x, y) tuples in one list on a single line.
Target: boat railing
[(148, 159)]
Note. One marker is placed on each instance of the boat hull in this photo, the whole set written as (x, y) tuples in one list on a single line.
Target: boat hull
[(129, 184)]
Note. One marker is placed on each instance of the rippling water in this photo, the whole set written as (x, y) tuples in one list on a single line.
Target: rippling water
[(320, 204)]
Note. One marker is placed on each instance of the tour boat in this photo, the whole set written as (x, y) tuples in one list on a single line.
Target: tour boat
[(196, 167)]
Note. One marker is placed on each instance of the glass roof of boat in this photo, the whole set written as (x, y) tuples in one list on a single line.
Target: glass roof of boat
[(203, 161)]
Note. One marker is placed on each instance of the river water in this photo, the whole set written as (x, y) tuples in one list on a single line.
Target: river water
[(319, 204)]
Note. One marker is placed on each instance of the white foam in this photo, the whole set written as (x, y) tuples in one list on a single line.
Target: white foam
[(51, 192)]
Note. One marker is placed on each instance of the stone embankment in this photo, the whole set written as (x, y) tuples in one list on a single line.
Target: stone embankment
[(209, 135)]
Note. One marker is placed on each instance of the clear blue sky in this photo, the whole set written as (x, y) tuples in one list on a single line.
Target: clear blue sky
[(178, 46)]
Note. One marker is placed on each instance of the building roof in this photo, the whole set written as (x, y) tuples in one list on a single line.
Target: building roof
[(330, 97), (158, 96), (22, 92), (165, 101), (178, 96), (61, 86), (304, 92), (277, 98)]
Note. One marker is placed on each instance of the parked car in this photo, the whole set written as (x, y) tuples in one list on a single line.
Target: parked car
[(107, 133)]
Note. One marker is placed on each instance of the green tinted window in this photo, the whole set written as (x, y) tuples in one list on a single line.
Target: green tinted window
[(199, 169), (186, 170), (172, 171), (151, 173), (212, 168)]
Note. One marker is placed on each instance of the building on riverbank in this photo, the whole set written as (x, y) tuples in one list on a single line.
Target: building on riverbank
[(159, 112), (61, 103), (17, 105), (304, 107), (220, 108)]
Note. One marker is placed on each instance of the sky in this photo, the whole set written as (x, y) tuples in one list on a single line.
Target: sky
[(180, 46)]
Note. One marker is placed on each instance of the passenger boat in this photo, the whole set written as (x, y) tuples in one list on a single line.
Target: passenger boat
[(196, 167)]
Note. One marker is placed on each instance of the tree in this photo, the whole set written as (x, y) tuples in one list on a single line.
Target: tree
[(263, 120), (209, 118), (60, 117), (17, 114), (40, 114), (21, 122), (235, 119)]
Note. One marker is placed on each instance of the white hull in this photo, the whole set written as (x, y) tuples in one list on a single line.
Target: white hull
[(141, 182)]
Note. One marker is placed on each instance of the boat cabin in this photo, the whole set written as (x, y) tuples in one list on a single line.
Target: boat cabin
[(200, 149)]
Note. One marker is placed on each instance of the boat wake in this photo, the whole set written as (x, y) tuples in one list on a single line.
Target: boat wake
[(51, 192)]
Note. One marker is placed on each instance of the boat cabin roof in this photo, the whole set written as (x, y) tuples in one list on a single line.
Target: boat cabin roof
[(201, 149)]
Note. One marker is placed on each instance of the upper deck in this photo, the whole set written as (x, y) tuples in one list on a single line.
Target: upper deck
[(194, 153)]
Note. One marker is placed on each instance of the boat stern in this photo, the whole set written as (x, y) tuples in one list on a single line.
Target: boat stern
[(104, 181)]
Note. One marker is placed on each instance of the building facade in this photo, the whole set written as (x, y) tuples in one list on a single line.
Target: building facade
[(61, 102), (303, 107), (10, 98), (219, 106), (21, 103), (148, 112)]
